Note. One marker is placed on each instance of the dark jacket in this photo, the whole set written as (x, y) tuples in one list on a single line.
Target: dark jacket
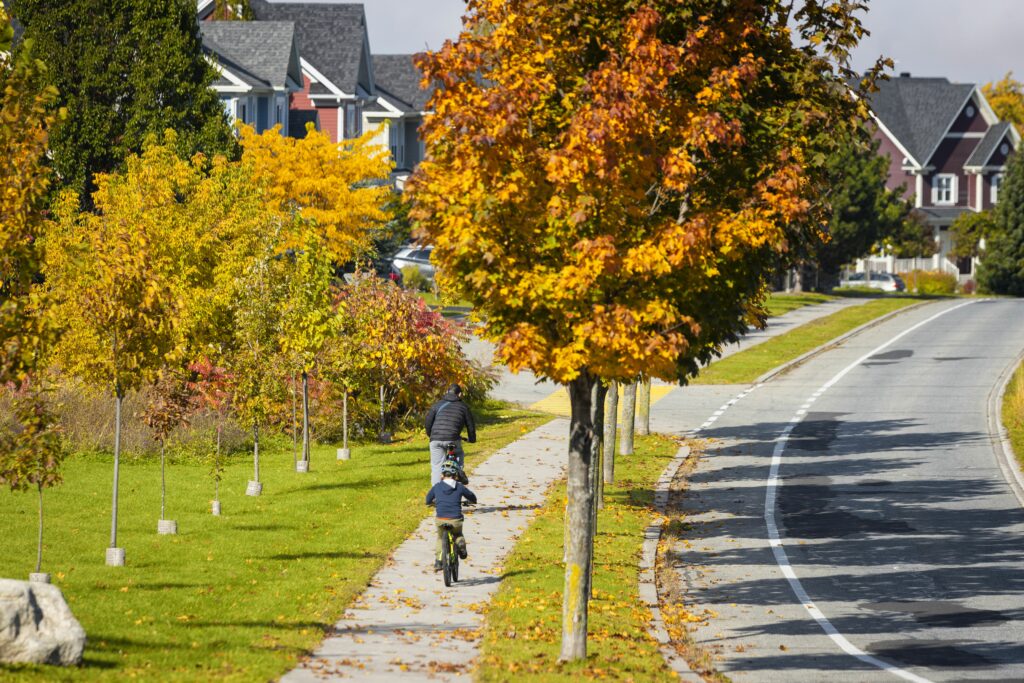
[(449, 499), (447, 417)]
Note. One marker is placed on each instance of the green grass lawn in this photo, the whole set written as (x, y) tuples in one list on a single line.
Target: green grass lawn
[(746, 366), (237, 597), (782, 302), (523, 632), (1013, 413)]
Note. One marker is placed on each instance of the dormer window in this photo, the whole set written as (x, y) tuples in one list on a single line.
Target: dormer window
[(997, 180), (944, 189)]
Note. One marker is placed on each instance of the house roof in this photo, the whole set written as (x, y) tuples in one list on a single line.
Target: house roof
[(919, 111), (399, 78), (260, 53), (331, 36), (983, 152), (941, 214)]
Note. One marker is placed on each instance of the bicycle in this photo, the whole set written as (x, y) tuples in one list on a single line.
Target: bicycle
[(452, 456), (449, 557)]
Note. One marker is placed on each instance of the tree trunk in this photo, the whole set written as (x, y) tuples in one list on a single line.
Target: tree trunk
[(382, 427), (117, 463), (163, 483), (611, 417), (643, 408), (216, 467), (579, 511), (597, 394), (39, 544), (628, 416), (305, 416), (256, 451), (295, 424), (344, 419)]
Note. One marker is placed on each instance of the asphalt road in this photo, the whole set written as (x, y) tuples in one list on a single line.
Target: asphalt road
[(899, 550)]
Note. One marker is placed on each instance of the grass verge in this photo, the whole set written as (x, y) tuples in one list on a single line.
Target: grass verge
[(522, 636), (237, 597), (782, 302), (1013, 413), (746, 366)]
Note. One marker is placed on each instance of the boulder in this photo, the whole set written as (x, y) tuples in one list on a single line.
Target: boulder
[(37, 626)]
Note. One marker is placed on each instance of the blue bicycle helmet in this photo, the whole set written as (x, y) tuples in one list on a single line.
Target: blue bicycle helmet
[(449, 468)]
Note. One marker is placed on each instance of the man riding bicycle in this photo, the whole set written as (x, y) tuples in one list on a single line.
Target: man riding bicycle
[(445, 421)]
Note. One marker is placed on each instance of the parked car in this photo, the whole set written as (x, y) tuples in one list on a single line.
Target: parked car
[(382, 267), (417, 256), (887, 282)]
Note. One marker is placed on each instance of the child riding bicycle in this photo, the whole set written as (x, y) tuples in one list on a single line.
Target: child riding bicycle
[(446, 496)]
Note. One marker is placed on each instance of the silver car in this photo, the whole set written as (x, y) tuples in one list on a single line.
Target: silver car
[(417, 256), (887, 282)]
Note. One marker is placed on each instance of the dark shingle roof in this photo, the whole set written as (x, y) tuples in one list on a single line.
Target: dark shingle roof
[(258, 52), (331, 36), (399, 77), (988, 144), (941, 214), (918, 111)]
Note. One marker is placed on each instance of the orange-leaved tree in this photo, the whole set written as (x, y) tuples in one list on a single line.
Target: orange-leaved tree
[(609, 184)]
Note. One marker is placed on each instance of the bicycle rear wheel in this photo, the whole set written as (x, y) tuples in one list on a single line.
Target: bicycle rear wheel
[(453, 553), (446, 553)]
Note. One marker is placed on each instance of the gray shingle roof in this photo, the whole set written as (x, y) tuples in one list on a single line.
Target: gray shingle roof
[(330, 36), (399, 77), (988, 144), (918, 111), (258, 52), (941, 214)]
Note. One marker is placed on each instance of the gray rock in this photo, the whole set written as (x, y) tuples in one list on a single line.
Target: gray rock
[(37, 626)]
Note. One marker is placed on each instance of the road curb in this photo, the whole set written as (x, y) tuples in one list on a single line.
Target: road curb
[(1000, 436), (789, 365), (648, 588)]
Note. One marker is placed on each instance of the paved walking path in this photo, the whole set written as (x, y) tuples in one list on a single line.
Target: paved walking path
[(407, 626)]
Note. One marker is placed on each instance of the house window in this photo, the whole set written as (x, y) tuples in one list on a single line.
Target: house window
[(997, 180), (394, 141), (944, 189), (241, 113)]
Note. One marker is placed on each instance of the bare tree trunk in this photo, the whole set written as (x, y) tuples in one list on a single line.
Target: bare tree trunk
[(163, 482), (216, 467), (611, 417), (383, 437), (344, 419), (256, 451), (643, 408), (39, 544), (295, 423), (628, 416), (305, 416), (117, 463), (579, 511)]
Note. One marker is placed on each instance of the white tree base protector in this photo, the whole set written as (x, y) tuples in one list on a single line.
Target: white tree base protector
[(215, 508), (39, 577), (166, 527), (302, 466), (344, 454), (115, 557), (254, 488), (37, 626)]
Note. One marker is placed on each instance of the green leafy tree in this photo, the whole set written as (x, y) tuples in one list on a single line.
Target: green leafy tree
[(864, 213), (970, 231), (913, 239), (609, 183), (124, 70), (1002, 270)]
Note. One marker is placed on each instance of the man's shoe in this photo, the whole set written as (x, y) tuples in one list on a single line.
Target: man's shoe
[(437, 565), (463, 553)]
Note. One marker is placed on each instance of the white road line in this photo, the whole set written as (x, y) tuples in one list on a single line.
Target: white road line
[(775, 539)]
